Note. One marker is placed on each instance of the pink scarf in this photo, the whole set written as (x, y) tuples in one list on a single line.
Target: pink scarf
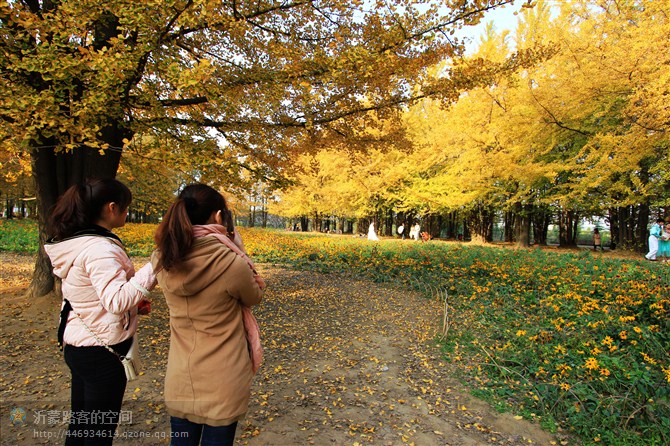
[(250, 324)]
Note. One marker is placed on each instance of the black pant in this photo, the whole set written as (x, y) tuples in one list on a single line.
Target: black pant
[(98, 385), (188, 433)]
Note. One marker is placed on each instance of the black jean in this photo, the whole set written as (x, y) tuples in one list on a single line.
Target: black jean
[(98, 385)]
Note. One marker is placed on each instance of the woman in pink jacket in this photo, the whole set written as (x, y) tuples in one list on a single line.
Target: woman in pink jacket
[(208, 281), (101, 293)]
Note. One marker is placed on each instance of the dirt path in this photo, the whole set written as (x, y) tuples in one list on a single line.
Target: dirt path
[(346, 362)]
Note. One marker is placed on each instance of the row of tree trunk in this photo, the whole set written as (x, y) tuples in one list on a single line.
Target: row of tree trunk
[(524, 224)]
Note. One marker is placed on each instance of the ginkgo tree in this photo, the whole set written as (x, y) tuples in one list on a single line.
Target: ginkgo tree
[(321, 181), (584, 131), (575, 117), (596, 129), (475, 160), (265, 80)]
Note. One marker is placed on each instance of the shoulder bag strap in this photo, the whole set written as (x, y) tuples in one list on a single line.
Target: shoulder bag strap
[(104, 344)]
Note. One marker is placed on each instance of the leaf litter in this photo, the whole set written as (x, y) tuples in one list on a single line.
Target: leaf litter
[(347, 362)]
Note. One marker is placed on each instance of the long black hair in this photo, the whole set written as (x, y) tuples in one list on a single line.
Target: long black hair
[(81, 205)]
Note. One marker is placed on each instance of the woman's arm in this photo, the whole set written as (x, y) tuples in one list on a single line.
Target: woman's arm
[(241, 283), (114, 280)]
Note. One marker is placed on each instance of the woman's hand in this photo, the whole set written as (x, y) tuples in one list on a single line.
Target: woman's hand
[(144, 307), (259, 280), (237, 239)]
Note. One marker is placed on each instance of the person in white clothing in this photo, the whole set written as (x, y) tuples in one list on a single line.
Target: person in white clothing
[(401, 231), (417, 231), (372, 235), (101, 296), (654, 235)]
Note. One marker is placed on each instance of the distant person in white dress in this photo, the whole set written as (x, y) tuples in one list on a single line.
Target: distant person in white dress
[(372, 235), (415, 233)]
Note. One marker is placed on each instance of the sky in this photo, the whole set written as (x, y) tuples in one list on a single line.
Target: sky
[(503, 18)]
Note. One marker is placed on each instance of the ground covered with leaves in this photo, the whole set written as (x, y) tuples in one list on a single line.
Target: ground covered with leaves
[(347, 362)]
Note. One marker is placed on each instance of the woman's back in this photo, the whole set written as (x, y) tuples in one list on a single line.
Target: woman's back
[(209, 369)]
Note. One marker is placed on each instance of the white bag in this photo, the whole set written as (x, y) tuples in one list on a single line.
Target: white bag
[(131, 362)]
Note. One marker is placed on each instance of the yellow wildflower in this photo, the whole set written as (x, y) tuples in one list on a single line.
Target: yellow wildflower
[(591, 363), (648, 358)]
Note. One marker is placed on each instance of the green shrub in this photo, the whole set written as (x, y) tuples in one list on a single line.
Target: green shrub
[(19, 235)]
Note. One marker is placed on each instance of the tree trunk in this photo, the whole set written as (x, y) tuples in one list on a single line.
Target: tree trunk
[(614, 228), (252, 216), (388, 223), (347, 226), (642, 233), (429, 224), (481, 224), (437, 231), (509, 219), (9, 207), (522, 224), (541, 220), (567, 228), (628, 227), (451, 225)]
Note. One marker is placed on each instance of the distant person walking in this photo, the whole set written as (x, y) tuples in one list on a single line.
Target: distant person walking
[(664, 243), (597, 240), (401, 231), (654, 236)]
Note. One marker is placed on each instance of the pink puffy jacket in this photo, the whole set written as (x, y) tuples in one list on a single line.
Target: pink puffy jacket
[(100, 282)]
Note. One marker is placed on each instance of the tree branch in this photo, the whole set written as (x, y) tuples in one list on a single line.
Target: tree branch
[(174, 102), (554, 119)]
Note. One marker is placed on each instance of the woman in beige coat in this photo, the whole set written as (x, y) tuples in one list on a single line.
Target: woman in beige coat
[(206, 283)]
